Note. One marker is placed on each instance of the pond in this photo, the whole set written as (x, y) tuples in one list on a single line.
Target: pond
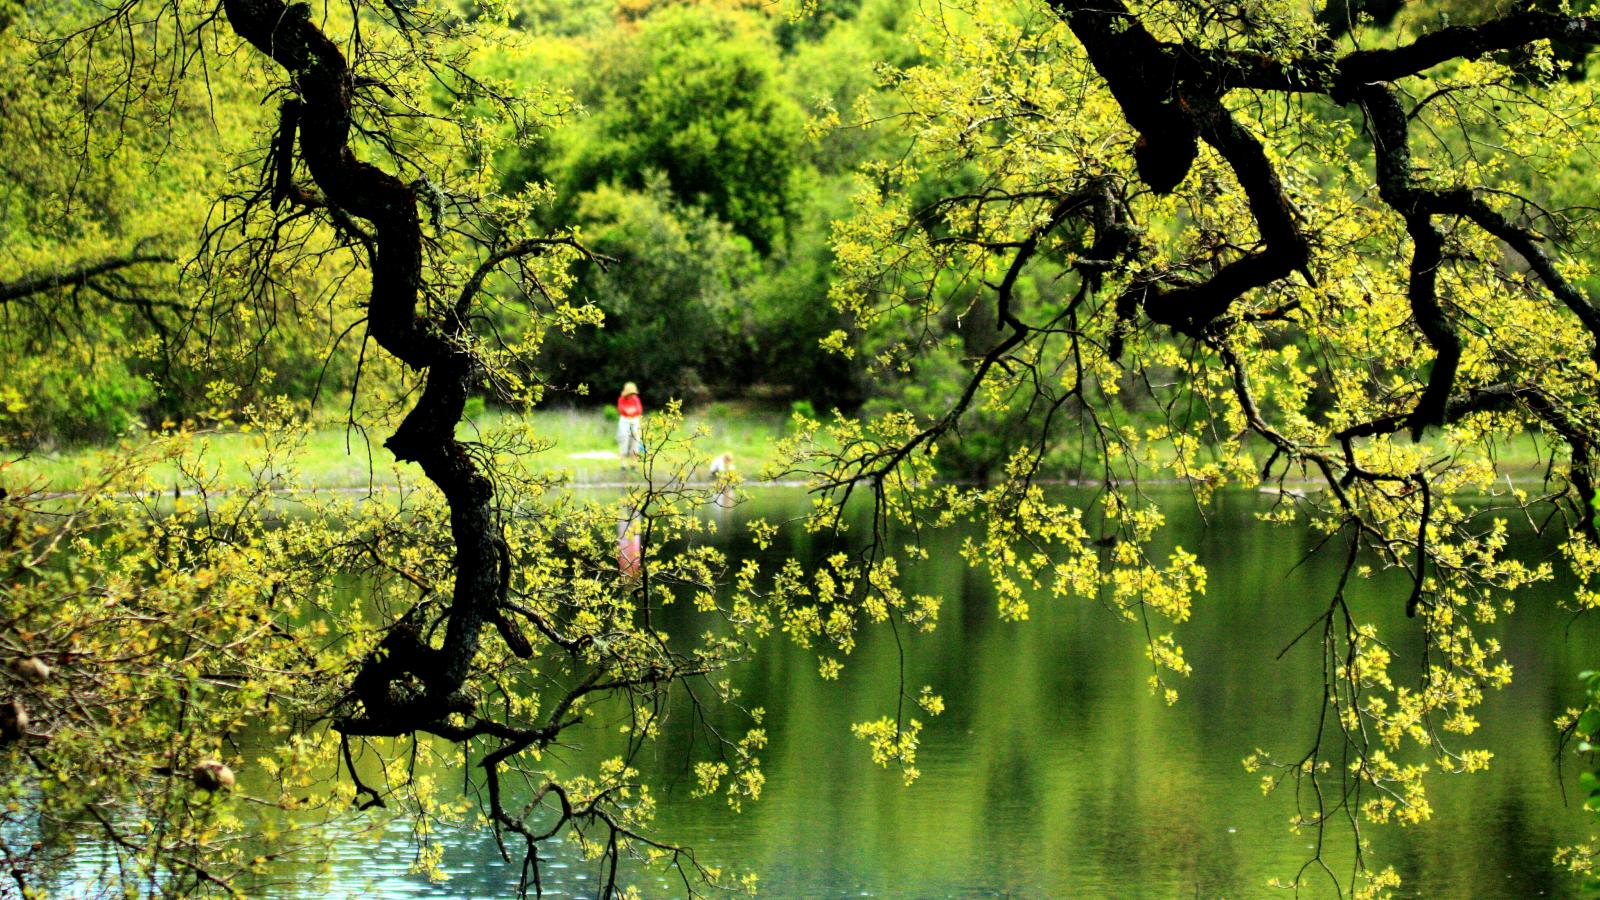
[(1054, 771)]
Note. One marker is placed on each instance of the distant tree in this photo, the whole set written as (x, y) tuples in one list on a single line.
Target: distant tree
[(693, 93), (675, 295), (102, 202)]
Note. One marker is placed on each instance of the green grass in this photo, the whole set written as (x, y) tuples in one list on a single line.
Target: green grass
[(338, 457)]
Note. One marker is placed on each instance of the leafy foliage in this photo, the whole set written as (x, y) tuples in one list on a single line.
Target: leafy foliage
[(672, 296), (138, 647), (1194, 275), (693, 94)]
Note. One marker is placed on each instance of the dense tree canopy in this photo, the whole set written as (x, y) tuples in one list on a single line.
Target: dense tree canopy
[(694, 98), (1338, 250)]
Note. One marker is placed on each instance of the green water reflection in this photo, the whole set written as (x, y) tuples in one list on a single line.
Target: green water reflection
[(1056, 773)]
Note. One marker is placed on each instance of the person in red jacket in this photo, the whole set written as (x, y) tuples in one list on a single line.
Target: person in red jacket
[(630, 417)]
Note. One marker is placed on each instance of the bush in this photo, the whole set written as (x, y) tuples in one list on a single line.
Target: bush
[(671, 300), (76, 396)]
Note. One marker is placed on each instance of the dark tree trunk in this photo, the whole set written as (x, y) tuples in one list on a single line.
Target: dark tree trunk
[(405, 684)]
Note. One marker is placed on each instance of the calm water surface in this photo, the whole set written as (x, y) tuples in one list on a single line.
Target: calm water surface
[(1055, 773)]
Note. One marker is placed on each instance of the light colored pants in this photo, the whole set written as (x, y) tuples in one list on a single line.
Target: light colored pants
[(628, 439)]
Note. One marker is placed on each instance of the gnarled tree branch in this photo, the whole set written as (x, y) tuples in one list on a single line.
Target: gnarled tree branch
[(426, 436)]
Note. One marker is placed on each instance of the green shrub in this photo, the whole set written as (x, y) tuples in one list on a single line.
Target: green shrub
[(76, 397)]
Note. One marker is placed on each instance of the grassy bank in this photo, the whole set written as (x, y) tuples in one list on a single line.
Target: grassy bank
[(582, 445)]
